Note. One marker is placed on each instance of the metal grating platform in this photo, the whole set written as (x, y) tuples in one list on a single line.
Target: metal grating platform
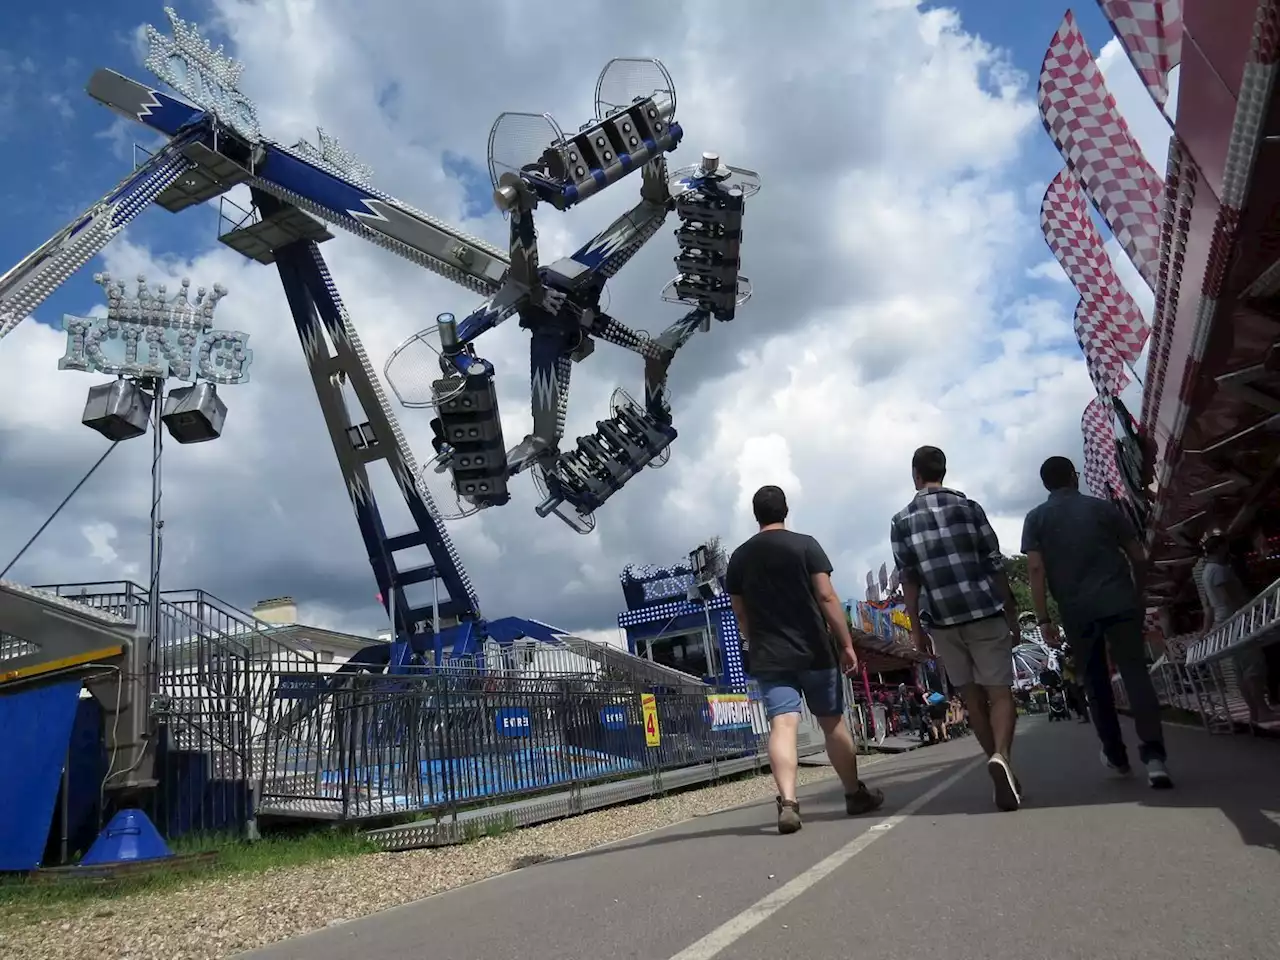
[(259, 240), (212, 175)]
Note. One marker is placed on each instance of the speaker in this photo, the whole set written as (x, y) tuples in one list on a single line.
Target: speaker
[(119, 410), (194, 414)]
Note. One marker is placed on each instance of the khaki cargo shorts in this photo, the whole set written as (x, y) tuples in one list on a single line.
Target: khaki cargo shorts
[(979, 651)]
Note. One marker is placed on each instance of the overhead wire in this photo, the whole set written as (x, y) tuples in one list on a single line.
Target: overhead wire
[(53, 516)]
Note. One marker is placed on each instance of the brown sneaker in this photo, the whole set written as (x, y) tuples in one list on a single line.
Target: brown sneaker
[(865, 800), (788, 816)]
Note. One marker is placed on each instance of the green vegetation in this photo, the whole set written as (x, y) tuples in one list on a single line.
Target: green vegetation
[(1020, 584), (24, 901)]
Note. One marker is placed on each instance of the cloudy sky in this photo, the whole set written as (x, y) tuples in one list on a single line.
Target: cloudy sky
[(904, 294)]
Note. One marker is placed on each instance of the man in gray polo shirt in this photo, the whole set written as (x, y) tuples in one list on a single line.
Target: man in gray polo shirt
[(1086, 552)]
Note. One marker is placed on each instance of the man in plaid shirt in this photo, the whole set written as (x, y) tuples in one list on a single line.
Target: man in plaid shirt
[(957, 594)]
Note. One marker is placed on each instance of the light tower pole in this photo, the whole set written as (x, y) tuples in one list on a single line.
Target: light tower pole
[(144, 341)]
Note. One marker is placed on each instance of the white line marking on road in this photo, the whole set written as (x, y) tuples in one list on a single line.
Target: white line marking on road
[(732, 930)]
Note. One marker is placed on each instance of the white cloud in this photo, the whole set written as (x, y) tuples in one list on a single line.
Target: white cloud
[(1050, 270), (889, 251), (101, 538), (613, 637)]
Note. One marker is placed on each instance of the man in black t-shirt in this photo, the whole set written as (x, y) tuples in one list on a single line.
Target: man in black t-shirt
[(788, 613)]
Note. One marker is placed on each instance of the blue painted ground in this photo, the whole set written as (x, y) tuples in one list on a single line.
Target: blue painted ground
[(473, 778)]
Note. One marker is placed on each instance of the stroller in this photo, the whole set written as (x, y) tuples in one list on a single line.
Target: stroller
[(1057, 697), (1058, 709)]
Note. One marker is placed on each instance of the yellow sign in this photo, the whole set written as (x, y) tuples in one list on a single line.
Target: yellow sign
[(649, 710)]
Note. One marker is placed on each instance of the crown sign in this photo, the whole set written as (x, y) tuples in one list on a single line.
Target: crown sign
[(177, 334), (151, 309), (335, 156), (209, 78)]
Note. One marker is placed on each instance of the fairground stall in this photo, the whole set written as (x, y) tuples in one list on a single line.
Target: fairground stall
[(1203, 452)]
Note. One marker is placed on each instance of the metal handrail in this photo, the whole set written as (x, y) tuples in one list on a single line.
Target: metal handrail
[(1247, 627)]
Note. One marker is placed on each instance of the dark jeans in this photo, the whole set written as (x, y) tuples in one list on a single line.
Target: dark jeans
[(1075, 699), (1122, 635)]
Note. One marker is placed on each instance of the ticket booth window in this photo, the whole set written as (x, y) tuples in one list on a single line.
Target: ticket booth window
[(686, 652)]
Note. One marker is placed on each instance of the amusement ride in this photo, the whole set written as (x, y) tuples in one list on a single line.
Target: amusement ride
[(214, 143)]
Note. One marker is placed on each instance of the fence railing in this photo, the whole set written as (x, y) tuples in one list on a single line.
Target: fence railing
[(251, 727), (1209, 689), (376, 746), (1254, 623), (212, 682)]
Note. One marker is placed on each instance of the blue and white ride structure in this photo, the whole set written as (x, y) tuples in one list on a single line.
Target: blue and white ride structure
[(214, 143)]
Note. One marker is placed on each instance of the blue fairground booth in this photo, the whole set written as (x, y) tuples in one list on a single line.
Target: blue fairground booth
[(679, 616)]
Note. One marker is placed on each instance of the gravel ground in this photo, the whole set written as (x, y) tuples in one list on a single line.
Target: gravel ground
[(222, 916)]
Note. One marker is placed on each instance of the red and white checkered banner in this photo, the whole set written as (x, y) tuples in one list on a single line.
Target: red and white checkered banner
[(1105, 362), (1083, 121), (1151, 34), (1076, 243), (1101, 472)]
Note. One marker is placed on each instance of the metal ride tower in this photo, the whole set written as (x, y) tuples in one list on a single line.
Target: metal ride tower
[(214, 144)]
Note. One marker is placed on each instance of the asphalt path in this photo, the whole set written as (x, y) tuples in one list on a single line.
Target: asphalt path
[(1091, 867)]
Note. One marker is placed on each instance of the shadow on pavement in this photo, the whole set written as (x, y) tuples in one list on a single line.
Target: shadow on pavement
[(1059, 767)]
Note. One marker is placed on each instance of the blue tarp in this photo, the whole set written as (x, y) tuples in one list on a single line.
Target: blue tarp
[(35, 732)]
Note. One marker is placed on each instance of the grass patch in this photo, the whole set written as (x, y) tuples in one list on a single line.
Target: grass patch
[(23, 901)]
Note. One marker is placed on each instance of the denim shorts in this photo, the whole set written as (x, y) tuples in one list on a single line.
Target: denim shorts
[(822, 691)]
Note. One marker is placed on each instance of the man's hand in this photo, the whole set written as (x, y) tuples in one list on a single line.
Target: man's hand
[(1049, 634), (848, 660), (921, 639), (1015, 628)]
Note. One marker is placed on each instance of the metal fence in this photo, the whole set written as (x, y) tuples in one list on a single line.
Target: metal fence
[(360, 747), (212, 683), (1209, 689), (252, 727)]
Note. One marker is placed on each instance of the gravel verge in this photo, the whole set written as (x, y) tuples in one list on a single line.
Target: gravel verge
[(218, 917)]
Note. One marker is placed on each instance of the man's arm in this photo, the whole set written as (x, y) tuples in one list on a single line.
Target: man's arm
[(832, 610), (989, 546), (1127, 540), (819, 567), (1037, 575), (740, 611), (1039, 593), (911, 600), (904, 557), (734, 585), (1138, 561)]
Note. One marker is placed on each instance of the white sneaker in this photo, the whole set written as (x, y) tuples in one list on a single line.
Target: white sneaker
[(1116, 771), (1157, 776), (1006, 789)]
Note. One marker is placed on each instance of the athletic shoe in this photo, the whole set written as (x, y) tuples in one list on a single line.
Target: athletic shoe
[(1006, 784), (1116, 769), (788, 816), (1157, 776), (865, 800)]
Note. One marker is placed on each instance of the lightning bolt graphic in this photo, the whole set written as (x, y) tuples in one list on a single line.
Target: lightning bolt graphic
[(611, 242), (545, 388), (145, 109)]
